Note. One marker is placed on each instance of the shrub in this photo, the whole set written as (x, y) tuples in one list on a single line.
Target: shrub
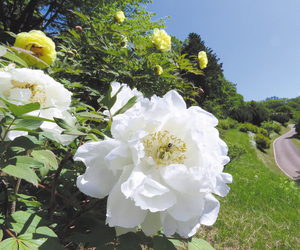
[(235, 150), (262, 141), (245, 127), (223, 124), (232, 123), (277, 127), (263, 132)]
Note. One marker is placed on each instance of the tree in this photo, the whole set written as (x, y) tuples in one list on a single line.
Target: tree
[(52, 16)]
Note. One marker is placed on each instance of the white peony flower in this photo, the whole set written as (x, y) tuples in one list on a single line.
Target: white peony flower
[(122, 97), (35, 86), (160, 169)]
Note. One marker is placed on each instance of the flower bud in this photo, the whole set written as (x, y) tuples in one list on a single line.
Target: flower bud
[(70, 53), (201, 91), (74, 51), (78, 29), (158, 70)]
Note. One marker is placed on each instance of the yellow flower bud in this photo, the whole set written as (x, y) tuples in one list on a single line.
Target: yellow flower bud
[(161, 40), (41, 46), (119, 17), (158, 70), (202, 59)]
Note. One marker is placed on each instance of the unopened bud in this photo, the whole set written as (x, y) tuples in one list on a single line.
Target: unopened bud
[(201, 91), (78, 29), (70, 53)]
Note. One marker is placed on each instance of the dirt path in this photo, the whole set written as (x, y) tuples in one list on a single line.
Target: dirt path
[(287, 155)]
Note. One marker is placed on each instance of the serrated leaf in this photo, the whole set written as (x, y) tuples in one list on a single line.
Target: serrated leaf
[(161, 243), (199, 244)]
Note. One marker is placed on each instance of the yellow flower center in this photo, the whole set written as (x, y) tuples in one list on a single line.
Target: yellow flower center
[(37, 94), (164, 149), (37, 50)]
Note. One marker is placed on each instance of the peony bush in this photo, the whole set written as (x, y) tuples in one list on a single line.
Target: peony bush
[(103, 149)]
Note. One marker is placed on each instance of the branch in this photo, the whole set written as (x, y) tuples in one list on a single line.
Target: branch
[(3, 17), (13, 203), (53, 191), (28, 11), (62, 196)]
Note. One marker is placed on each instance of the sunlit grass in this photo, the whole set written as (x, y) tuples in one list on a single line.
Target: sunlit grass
[(261, 209)]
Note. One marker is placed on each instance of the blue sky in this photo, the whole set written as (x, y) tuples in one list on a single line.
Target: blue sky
[(258, 41)]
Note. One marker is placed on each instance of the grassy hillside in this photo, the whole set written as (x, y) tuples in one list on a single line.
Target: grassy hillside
[(262, 209)]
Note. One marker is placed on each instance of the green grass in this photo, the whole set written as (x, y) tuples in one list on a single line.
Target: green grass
[(261, 209)]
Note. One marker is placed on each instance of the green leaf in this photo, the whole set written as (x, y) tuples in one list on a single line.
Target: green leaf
[(161, 243), (37, 118), (40, 241), (10, 243), (21, 169), (127, 106), (130, 241), (1, 234), (177, 244), (199, 244), (28, 200), (23, 222), (14, 58), (47, 158), (109, 100), (68, 128), (27, 124), (25, 161), (19, 110), (90, 115), (26, 142)]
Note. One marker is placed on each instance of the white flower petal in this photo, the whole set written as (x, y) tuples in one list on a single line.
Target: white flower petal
[(151, 224), (122, 212), (147, 193), (211, 210)]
